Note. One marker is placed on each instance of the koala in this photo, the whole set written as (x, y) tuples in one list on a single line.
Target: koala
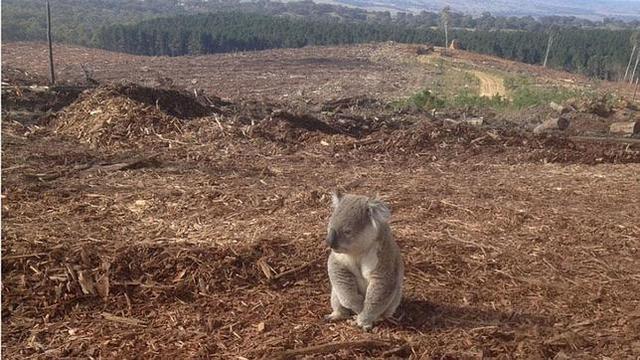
[(365, 266)]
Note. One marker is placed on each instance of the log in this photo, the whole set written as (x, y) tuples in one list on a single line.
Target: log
[(627, 128), (424, 50), (469, 121), (611, 140), (559, 108), (474, 121), (559, 123), (455, 44), (450, 122)]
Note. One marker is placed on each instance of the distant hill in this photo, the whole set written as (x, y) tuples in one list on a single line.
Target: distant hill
[(589, 9)]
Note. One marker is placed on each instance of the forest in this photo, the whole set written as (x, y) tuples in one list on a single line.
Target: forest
[(76, 21), (599, 53)]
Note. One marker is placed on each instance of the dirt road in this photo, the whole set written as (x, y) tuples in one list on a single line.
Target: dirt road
[(490, 84)]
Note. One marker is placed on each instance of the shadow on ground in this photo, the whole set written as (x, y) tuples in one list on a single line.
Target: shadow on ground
[(417, 314)]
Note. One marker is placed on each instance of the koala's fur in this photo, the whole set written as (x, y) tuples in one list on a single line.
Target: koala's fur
[(365, 266)]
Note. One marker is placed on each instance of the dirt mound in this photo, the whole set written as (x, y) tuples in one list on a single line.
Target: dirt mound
[(178, 103), (38, 98), (104, 117), (424, 50), (419, 137), (354, 125), (289, 128), (304, 121), (432, 135), (345, 103), (600, 106), (446, 140), (27, 98), (554, 149)]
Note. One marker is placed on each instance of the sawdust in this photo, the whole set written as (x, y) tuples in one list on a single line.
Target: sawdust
[(105, 117), (160, 236)]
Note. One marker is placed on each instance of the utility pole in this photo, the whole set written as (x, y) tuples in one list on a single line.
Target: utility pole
[(626, 72), (635, 41), (633, 74), (444, 18), (446, 35), (546, 55), (51, 70)]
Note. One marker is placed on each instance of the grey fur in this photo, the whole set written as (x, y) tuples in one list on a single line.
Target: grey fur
[(365, 265)]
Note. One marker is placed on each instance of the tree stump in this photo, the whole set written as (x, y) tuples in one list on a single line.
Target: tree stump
[(627, 128), (558, 123), (559, 108)]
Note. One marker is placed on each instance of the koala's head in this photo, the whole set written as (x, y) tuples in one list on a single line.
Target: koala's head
[(355, 222)]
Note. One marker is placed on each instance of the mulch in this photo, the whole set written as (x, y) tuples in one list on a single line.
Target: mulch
[(134, 233)]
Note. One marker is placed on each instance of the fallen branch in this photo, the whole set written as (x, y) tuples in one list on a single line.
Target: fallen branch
[(14, 167), (46, 177), (445, 202), (330, 348), (479, 139), (604, 139), (295, 269), (45, 88), (15, 257), (143, 285), (149, 161), (403, 349), (171, 140)]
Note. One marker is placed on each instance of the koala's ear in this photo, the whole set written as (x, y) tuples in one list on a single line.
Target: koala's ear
[(336, 196), (378, 210)]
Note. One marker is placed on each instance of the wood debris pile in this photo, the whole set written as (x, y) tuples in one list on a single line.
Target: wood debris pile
[(104, 117)]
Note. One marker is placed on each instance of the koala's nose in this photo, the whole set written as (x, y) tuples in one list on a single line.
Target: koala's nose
[(332, 239)]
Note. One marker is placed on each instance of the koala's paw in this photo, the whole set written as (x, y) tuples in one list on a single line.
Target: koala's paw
[(365, 323), (336, 316)]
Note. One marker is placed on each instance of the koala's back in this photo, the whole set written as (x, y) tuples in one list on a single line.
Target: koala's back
[(392, 268), (389, 257)]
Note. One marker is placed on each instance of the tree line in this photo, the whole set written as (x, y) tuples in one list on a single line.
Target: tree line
[(597, 53), (76, 21)]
